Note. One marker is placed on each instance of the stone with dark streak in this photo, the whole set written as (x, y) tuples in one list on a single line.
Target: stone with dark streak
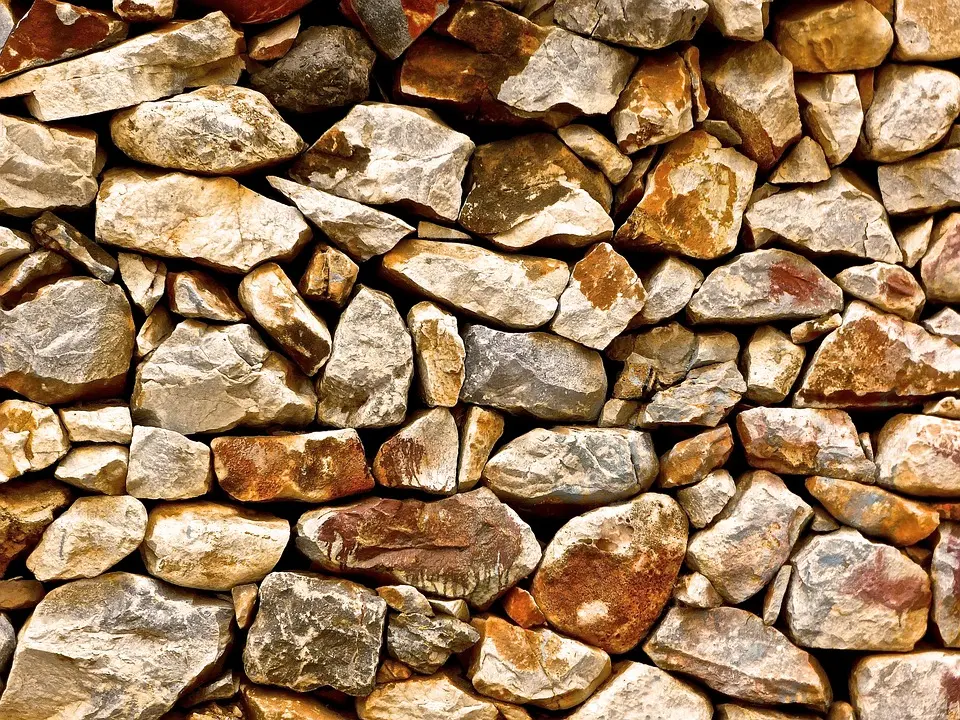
[(393, 25), (422, 455)]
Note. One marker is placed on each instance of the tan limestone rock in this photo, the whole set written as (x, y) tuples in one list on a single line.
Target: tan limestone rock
[(438, 353)]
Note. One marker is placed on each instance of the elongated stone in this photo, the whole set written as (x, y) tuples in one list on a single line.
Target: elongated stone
[(424, 642), (62, 237), (910, 686), (443, 696), (259, 11), (196, 294), (691, 460), (422, 455), (633, 23), (145, 10), (438, 352), (890, 288), (593, 147), (922, 184), (480, 430), (274, 42), (703, 398), (918, 455), (945, 578)]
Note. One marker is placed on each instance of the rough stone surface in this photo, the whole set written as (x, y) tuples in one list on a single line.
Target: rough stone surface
[(27, 507), (772, 364), (100, 468), (669, 285), (704, 398), (832, 112), (31, 438), (918, 455), (912, 686), (944, 576), (940, 268), (443, 696), (438, 353), (923, 184), (690, 461), (62, 237), (144, 278), (165, 465), (657, 104), (480, 430), (426, 643), (926, 30), (422, 455), (889, 288), (633, 23), (593, 147), (329, 277), (705, 500)]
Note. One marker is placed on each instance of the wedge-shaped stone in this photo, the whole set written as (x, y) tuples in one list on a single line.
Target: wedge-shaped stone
[(27, 507), (60, 236), (592, 146), (214, 221), (691, 460), (314, 631), (924, 184), (151, 66), (126, 647), (196, 294), (443, 696), (394, 26), (633, 23), (848, 593), (571, 468), (329, 277), (217, 130), (656, 106), (144, 278), (361, 231), (832, 112), (753, 536), (470, 546), (945, 578), (940, 269), (439, 354), (207, 378), (422, 455), (694, 200), (607, 574), (516, 291), (480, 430), (165, 465), (890, 288), (312, 467), (100, 468), (704, 398), (669, 285), (536, 374), (381, 153), (805, 163), (878, 360), (912, 686), (731, 651), (14, 245), (772, 365), (31, 438), (920, 455), (926, 30)]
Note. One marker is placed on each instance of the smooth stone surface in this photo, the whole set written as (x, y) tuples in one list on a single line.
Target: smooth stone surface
[(422, 455), (144, 278), (438, 352), (31, 438), (443, 696), (100, 468), (918, 455), (913, 686), (669, 284), (165, 465), (804, 163)]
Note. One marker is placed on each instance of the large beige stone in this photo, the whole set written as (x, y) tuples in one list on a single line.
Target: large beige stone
[(908, 686), (922, 184), (926, 30), (918, 455)]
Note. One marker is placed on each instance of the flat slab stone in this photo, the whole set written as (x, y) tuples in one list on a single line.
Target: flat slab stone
[(922, 184)]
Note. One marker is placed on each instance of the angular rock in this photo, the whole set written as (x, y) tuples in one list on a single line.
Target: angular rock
[(196, 294), (145, 10), (244, 598), (381, 153), (739, 20), (520, 607), (804, 163), (923, 184), (405, 599), (312, 467), (771, 364), (694, 200), (274, 42), (832, 112), (704, 398), (538, 667), (486, 548), (395, 25), (164, 465), (804, 442), (313, 631), (536, 374), (926, 30), (940, 269), (653, 359), (60, 236), (731, 651), (707, 499), (93, 535), (914, 239), (213, 221), (98, 468), (593, 147), (31, 438), (634, 23), (368, 375), (329, 277), (207, 378), (361, 231), (145, 279), (656, 105), (25, 276), (810, 330), (913, 686), (438, 352), (209, 546), (691, 460), (516, 291), (153, 65), (571, 468), (947, 407), (443, 696), (669, 286), (421, 456), (479, 432), (946, 323), (747, 543), (27, 507), (694, 590), (13, 245), (849, 593), (751, 87), (945, 577), (327, 67), (776, 591), (426, 643), (873, 511), (216, 130), (607, 574), (156, 328), (890, 288), (919, 455), (258, 11)]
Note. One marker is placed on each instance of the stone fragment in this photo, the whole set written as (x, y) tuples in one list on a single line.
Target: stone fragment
[(914, 239), (151, 66), (366, 380), (223, 687), (776, 591), (940, 269), (438, 352), (274, 42), (489, 548), (848, 593), (751, 539), (535, 374), (98, 468), (922, 184), (60, 236), (326, 67), (145, 279), (145, 10), (945, 323), (425, 643), (633, 23), (156, 328), (422, 455), (532, 188), (312, 467), (653, 359), (810, 330), (209, 546), (479, 432), (918, 455), (890, 288), (381, 153), (27, 507), (804, 442), (538, 667), (571, 468), (443, 696), (832, 112), (926, 30), (593, 147), (704, 398), (31, 438), (361, 231), (877, 360), (244, 598), (255, 11), (405, 599), (23, 277), (216, 130), (53, 168), (841, 711), (914, 686), (619, 413), (165, 465), (630, 191), (516, 291), (669, 285), (520, 607), (729, 711), (13, 245), (691, 460), (707, 499), (213, 221), (739, 19), (196, 294), (329, 277), (716, 346), (945, 576), (93, 535), (393, 27), (874, 511), (608, 573), (693, 202), (126, 647), (771, 364), (454, 608), (750, 85), (694, 590), (98, 422), (731, 651), (313, 631), (804, 163), (656, 106), (947, 407)]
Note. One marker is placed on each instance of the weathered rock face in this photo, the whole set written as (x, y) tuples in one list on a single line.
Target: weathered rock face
[(329, 277), (422, 456), (196, 294), (593, 147), (394, 26), (944, 575), (633, 23), (832, 112), (144, 278), (890, 288), (313, 631), (217, 130), (607, 574), (470, 546), (62, 237), (940, 269), (443, 696), (748, 542), (911, 686), (479, 432), (925, 31), (772, 364), (921, 185), (89, 317), (27, 507), (214, 221), (438, 352), (517, 291), (657, 104), (312, 467), (704, 398), (731, 651), (917, 455), (705, 500), (669, 285), (382, 153), (165, 465), (693, 201), (126, 645), (98, 468), (425, 643), (145, 10), (261, 11), (690, 461), (849, 593), (31, 438)]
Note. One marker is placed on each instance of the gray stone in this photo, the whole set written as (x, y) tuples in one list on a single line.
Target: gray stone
[(670, 284), (60, 236), (633, 23), (922, 184), (426, 643), (912, 686), (707, 499), (890, 288), (165, 465), (704, 398), (945, 578)]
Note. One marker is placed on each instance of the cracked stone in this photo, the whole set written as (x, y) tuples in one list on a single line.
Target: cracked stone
[(656, 106), (919, 455), (426, 643), (669, 285), (422, 455), (31, 438), (593, 147), (832, 112), (633, 23), (145, 279), (704, 398), (329, 277)]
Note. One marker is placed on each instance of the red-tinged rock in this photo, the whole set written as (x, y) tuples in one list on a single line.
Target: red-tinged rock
[(520, 606), (393, 25), (255, 11), (52, 31)]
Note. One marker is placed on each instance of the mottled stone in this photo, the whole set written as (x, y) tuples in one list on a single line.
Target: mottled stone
[(593, 147), (395, 24), (470, 545), (669, 285), (690, 461), (656, 106), (262, 703), (890, 288), (438, 353), (14, 245), (31, 438), (520, 606), (832, 112), (814, 329), (100, 468), (145, 10), (926, 30), (405, 599), (27, 507), (695, 591), (914, 686), (165, 465), (945, 577), (919, 455), (804, 163), (425, 643), (914, 239), (422, 455), (739, 19), (707, 499), (945, 323), (607, 574), (923, 184), (313, 631), (653, 359), (244, 598), (443, 696), (329, 277), (776, 592), (479, 432), (633, 23), (849, 593), (940, 268), (24, 276), (60, 236), (704, 398), (771, 365), (274, 42), (255, 11)]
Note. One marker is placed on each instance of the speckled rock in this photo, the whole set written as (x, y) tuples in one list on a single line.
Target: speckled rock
[(940, 268), (690, 461), (438, 352), (926, 30), (165, 465), (633, 23), (425, 643), (945, 578), (705, 500), (918, 455), (330, 275)]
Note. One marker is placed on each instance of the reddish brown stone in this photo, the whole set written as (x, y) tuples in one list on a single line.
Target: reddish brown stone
[(255, 11), (26, 508), (20, 594), (393, 25), (520, 606), (691, 460)]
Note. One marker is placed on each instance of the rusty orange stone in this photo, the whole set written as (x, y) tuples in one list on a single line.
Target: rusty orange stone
[(393, 25), (691, 460), (520, 607)]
